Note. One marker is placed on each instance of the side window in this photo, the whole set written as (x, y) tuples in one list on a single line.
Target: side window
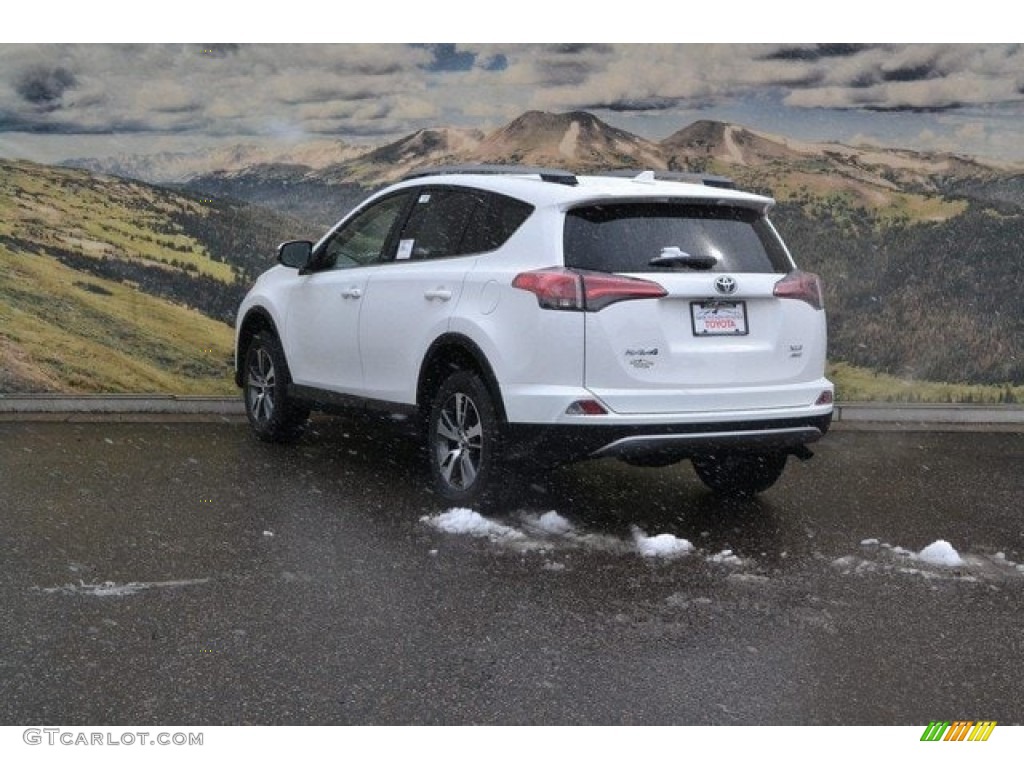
[(459, 221), (362, 240), (494, 222), (437, 223)]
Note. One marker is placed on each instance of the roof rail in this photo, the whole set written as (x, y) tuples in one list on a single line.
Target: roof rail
[(553, 175), (707, 179)]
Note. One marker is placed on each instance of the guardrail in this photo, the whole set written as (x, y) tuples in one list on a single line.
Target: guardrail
[(928, 413), (24, 406)]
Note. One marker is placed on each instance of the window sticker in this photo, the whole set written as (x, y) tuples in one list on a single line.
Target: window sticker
[(424, 198), (405, 249)]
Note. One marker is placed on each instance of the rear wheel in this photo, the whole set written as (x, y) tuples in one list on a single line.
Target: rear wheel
[(273, 415), (464, 441), (740, 474)]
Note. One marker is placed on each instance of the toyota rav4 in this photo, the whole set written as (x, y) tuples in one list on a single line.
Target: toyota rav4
[(529, 317)]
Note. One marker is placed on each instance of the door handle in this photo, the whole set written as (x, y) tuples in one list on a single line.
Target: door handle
[(438, 293), (351, 293)]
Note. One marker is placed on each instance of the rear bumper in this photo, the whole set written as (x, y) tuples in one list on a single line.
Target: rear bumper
[(781, 439), (665, 442)]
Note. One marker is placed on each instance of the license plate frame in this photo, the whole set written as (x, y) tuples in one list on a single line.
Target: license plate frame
[(719, 318)]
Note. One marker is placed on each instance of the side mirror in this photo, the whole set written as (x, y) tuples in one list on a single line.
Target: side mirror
[(295, 253)]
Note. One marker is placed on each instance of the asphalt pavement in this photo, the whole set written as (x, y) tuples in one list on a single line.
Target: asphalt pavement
[(186, 573)]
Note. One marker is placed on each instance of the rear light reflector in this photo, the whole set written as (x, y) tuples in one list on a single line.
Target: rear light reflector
[(804, 286), (586, 408), (561, 288), (825, 398)]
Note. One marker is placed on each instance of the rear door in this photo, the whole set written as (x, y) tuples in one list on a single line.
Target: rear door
[(719, 340), (410, 302)]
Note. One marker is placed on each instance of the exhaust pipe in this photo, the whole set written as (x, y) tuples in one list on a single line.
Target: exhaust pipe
[(802, 452)]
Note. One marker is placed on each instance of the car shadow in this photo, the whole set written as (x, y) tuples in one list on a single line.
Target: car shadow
[(381, 457)]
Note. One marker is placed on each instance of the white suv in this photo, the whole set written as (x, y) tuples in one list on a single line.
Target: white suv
[(532, 317)]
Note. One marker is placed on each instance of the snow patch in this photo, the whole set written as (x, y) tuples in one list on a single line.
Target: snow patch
[(551, 522), (726, 557), (938, 560), (940, 552), (467, 521), (661, 545), (852, 564), (113, 589), (550, 532)]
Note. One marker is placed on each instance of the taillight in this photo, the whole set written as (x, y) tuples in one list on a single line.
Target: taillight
[(561, 288), (554, 288), (804, 286)]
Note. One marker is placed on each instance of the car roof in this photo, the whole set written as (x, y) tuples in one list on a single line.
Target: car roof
[(540, 187)]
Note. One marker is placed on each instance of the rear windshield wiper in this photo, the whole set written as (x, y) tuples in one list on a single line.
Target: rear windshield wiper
[(676, 257)]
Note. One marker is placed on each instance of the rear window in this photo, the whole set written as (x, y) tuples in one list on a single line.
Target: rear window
[(624, 237)]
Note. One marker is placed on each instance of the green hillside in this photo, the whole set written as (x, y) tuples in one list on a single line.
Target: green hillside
[(106, 287), (63, 332)]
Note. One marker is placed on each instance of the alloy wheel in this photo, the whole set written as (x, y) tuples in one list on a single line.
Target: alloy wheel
[(260, 384), (459, 441)]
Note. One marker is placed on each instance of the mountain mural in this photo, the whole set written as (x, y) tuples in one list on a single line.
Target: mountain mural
[(921, 252)]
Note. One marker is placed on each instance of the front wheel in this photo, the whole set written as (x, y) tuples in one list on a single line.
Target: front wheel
[(464, 440), (740, 474), (273, 415)]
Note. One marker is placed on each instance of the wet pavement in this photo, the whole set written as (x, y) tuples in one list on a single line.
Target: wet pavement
[(185, 573)]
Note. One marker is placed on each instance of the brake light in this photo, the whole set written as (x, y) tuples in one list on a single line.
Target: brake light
[(804, 286), (561, 288), (554, 288)]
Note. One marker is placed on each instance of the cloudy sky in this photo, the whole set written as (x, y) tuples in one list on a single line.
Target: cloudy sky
[(67, 100)]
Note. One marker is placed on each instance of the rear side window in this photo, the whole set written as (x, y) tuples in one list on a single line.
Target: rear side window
[(494, 222), (624, 237), (448, 221)]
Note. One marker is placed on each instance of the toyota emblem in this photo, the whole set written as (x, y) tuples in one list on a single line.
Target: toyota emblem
[(726, 285)]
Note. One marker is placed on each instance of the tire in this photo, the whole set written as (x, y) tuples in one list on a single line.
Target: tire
[(273, 415), (740, 474), (464, 442)]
